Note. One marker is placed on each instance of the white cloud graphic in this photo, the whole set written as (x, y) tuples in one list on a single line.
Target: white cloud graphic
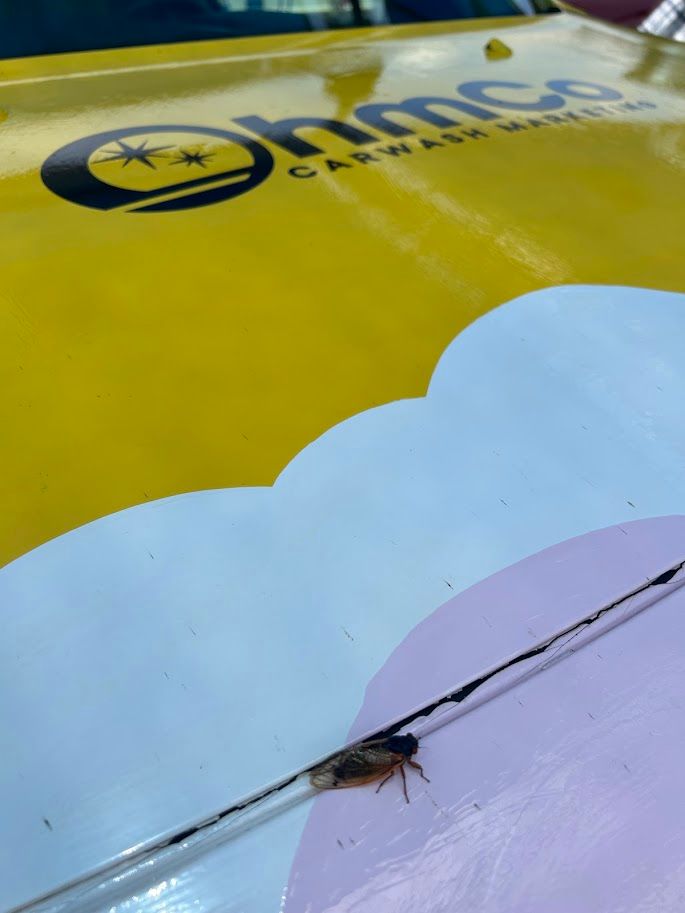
[(160, 663)]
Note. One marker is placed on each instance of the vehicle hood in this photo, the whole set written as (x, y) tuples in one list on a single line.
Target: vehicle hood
[(230, 272)]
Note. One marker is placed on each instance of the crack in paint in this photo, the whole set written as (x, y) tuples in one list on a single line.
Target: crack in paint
[(573, 630)]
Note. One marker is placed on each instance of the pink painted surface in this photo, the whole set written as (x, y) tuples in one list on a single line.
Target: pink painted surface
[(514, 609), (628, 14), (561, 794)]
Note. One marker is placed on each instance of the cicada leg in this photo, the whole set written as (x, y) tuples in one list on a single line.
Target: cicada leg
[(404, 783), (389, 777), (419, 768)]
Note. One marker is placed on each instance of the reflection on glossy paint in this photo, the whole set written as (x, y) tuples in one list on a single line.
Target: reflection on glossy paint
[(96, 384)]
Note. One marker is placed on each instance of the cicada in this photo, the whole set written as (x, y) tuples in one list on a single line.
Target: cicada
[(367, 763)]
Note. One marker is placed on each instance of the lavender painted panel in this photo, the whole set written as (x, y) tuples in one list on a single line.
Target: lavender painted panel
[(561, 794), (512, 610)]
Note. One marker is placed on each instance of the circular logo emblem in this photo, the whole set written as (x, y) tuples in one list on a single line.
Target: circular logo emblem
[(156, 169)]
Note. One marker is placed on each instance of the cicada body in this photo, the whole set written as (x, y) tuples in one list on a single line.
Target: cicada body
[(368, 762)]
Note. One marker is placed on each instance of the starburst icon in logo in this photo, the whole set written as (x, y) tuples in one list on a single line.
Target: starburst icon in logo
[(128, 168), (188, 158), (141, 153)]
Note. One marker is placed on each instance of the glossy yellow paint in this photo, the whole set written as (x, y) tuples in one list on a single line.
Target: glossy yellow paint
[(148, 354)]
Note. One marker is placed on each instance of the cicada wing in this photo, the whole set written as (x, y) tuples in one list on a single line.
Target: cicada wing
[(354, 766)]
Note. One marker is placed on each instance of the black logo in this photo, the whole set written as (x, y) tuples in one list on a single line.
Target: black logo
[(167, 168), (157, 169)]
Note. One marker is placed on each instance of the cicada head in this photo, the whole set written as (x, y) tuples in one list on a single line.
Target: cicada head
[(406, 745)]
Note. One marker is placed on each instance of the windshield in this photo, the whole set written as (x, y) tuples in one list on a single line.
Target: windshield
[(30, 27)]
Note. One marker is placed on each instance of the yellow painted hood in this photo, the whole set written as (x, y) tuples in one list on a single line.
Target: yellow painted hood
[(214, 252)]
